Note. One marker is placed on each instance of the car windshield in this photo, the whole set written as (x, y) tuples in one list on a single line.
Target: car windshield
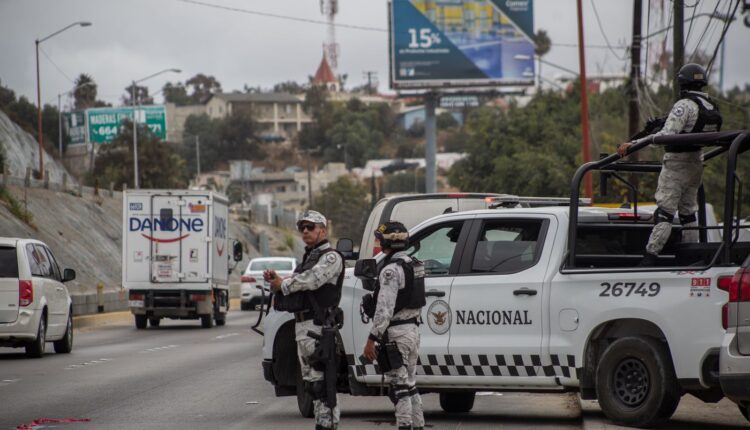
[(8, 262), (271, 265)]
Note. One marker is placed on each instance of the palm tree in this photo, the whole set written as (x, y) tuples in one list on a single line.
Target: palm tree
[(85, 92)]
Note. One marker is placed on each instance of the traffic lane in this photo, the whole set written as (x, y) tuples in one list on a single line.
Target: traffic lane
[(692, 413), (112, 370)]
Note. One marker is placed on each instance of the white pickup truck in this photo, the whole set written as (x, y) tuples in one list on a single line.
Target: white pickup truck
[(549, 299)]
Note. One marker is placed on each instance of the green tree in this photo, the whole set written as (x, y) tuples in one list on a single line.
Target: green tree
[(290, 87), (176, 93), (159, 164), (346, 204), (84, 95), (542, 43), (445, 120), (207, 131), (203, 86), (141, 95)]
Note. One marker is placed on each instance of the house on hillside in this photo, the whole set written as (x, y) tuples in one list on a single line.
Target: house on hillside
[(280, 115)]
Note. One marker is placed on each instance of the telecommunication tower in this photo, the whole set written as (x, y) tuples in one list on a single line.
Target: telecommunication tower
[(330, 8)]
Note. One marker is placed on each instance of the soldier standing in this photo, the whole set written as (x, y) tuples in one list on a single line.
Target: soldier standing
[(399, 297), (682, 166), (311, 293)]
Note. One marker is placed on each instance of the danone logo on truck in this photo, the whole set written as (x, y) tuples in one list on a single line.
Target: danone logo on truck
[(169, 224)]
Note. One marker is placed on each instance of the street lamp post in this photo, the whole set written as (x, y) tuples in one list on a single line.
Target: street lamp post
[(39, 91), (135, 122)]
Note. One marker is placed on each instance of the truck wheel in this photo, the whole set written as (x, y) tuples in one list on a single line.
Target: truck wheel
[(140, 322), (304, 399), (635, 382), (457, 403), (244, 306), (207, 321), (35, 348), (221, 320), (154, 322), (65, 345)]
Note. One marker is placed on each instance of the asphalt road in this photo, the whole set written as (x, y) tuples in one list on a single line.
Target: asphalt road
[(180, 376)]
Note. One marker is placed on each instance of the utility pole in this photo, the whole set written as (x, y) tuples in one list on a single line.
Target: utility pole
[(370, 74), (430, 174), (198, 154), (635, 72), (678, 45), (589, 191)]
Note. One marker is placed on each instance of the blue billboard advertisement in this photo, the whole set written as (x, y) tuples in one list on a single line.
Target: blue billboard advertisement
[(458, 43)]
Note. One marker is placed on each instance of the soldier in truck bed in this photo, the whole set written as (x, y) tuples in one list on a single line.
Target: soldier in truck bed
[(682, 166)]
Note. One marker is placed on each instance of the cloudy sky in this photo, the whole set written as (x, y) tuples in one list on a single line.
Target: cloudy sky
[(135, 38)]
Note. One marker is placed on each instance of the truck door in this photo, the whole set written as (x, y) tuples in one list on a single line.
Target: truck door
[(177, 231), (496, 302), (437, 247)]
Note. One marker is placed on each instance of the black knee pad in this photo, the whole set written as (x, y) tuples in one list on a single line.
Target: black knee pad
[(687, 219), (318, 390), (660, 215), (398, 392)]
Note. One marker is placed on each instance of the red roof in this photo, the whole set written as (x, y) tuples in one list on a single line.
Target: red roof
[(324, 75)]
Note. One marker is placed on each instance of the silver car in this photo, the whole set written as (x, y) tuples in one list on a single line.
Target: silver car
[(734, 358), (252, 280)]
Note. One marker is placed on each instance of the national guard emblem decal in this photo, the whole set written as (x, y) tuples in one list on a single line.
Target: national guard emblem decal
[(439, 317)]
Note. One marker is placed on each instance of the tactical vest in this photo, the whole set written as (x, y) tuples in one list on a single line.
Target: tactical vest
[(412, 295), (327, 295), (708, 120)]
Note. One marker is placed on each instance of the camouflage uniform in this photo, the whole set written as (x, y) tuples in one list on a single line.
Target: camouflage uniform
[(403, 380), (680, 177), (326, 271)]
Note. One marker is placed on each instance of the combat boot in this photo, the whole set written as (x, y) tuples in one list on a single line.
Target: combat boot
[(649, 260)]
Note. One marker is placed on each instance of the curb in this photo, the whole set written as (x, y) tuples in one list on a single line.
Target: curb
[(96, 320)]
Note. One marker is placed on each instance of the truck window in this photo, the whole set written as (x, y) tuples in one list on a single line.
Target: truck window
[(45, 266), (53, 263), (436, 248), (8, 262), (507, 246)]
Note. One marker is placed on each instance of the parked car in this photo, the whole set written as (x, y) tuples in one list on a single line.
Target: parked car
[(35, 307), (252, 279), (734, 358)]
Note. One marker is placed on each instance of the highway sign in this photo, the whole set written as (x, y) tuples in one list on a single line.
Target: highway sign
[(104, 123), (75, 126)]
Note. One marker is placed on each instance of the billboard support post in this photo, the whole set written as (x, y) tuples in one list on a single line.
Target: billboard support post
[(430, 131)]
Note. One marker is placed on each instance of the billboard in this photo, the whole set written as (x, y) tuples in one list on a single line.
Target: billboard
[(459, 43), (75, 127), (105, 123)]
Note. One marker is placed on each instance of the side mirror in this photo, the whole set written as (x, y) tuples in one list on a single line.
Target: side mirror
[(346, 248), (237, 251), (366, 269), (68, 275)]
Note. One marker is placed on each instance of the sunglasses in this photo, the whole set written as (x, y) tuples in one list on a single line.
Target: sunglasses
[(308, 227)]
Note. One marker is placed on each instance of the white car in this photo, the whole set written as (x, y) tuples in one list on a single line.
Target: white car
[(35, 306), (252, 279)]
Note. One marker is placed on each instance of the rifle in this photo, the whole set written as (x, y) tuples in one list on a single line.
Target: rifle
[(652, 126), (325, 358)]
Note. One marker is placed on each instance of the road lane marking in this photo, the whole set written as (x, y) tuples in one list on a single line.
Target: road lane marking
[(87, 363), (224, 336), (5, 382), (159, 348)]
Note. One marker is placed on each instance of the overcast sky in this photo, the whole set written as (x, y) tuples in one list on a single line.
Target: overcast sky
[(135, 38)]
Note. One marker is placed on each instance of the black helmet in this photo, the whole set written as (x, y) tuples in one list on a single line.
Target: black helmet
[(392, 235), (692, 75)]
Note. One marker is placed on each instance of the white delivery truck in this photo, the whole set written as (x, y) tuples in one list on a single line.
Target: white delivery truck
[(175, 255)]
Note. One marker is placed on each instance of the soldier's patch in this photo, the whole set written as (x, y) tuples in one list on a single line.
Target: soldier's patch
[(330, 258), (678, 111), (389, 274)]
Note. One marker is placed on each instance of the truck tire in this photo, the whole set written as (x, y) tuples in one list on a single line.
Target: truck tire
[(140, 322), (304, 398), (65, 345), (35, 348), (207, 321), (154, 322), (635, 382), (245, 306), (221, 320), (457, 403)]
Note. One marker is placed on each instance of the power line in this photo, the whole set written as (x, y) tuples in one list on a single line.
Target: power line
[(55, 64), (286, 17), (705, 30), (727, 23), (601, 29)]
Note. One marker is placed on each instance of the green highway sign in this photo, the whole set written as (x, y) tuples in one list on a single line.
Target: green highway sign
[(105, 123)]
